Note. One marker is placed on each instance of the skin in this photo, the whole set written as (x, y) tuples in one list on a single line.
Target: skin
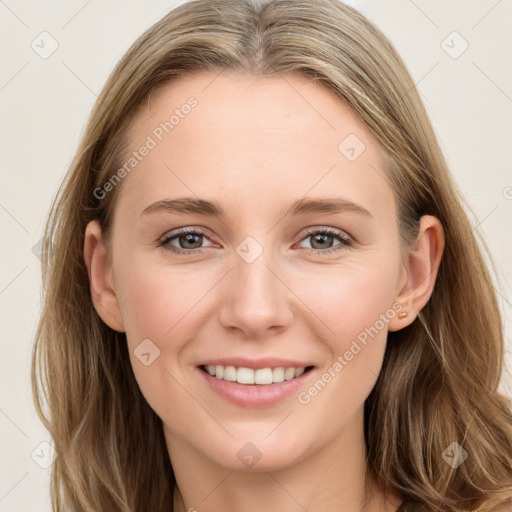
[(256, 145)]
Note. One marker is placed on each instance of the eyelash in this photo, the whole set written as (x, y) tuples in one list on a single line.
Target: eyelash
[(345, 241)]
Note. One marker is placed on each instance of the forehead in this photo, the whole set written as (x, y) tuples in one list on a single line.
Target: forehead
[(214, 133)]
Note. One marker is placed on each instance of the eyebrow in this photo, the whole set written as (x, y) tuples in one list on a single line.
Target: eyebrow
[(215, 209)]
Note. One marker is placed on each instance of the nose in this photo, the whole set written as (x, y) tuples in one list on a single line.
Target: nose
[(256, 300)]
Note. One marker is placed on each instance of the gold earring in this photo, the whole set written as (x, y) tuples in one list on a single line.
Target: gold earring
[(403, 314)]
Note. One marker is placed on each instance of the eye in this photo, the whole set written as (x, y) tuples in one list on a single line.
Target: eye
[(184, 241), (190, 240), (323, 238)]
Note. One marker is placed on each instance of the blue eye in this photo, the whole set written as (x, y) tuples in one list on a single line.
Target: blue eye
[(190, 241)]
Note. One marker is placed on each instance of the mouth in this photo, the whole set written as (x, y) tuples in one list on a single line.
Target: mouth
[(255, 388), (249, 376)]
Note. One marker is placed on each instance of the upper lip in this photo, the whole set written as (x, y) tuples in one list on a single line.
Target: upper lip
[(255, 364)]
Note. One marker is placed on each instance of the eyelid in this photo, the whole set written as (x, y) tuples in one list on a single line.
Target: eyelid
[(328, 230), (164, 241)]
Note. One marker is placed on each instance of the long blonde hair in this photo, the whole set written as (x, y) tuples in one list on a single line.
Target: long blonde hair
[(440, 375)]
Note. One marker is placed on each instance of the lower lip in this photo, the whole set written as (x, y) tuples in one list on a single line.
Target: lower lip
[(255, 395)]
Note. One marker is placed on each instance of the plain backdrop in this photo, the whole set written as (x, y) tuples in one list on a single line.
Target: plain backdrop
[(458, 52)]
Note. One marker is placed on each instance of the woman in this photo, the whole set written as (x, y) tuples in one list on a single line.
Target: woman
[(261, 289)]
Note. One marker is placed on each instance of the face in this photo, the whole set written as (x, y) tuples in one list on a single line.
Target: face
[(278, 277)]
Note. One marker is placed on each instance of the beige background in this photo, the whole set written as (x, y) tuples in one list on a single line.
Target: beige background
[(45, 102)]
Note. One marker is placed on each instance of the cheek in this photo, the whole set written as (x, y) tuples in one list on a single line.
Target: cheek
[(356, 307), (351, 298), (156, 304), (156, 299)]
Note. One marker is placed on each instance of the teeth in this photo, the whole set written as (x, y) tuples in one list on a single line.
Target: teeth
[(262, 376), (289, 373), (230, 373), (278, 375)]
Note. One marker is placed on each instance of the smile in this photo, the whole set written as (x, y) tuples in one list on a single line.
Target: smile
[(261, 376), (255, 388)]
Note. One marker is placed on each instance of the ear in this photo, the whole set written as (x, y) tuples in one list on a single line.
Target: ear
[(101, 282), (420, 268)]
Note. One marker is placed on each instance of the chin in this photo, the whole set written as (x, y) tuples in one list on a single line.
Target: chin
[(256, 454)]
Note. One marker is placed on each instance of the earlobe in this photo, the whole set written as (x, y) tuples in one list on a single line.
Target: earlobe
[(101, 281), (421, 267)]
